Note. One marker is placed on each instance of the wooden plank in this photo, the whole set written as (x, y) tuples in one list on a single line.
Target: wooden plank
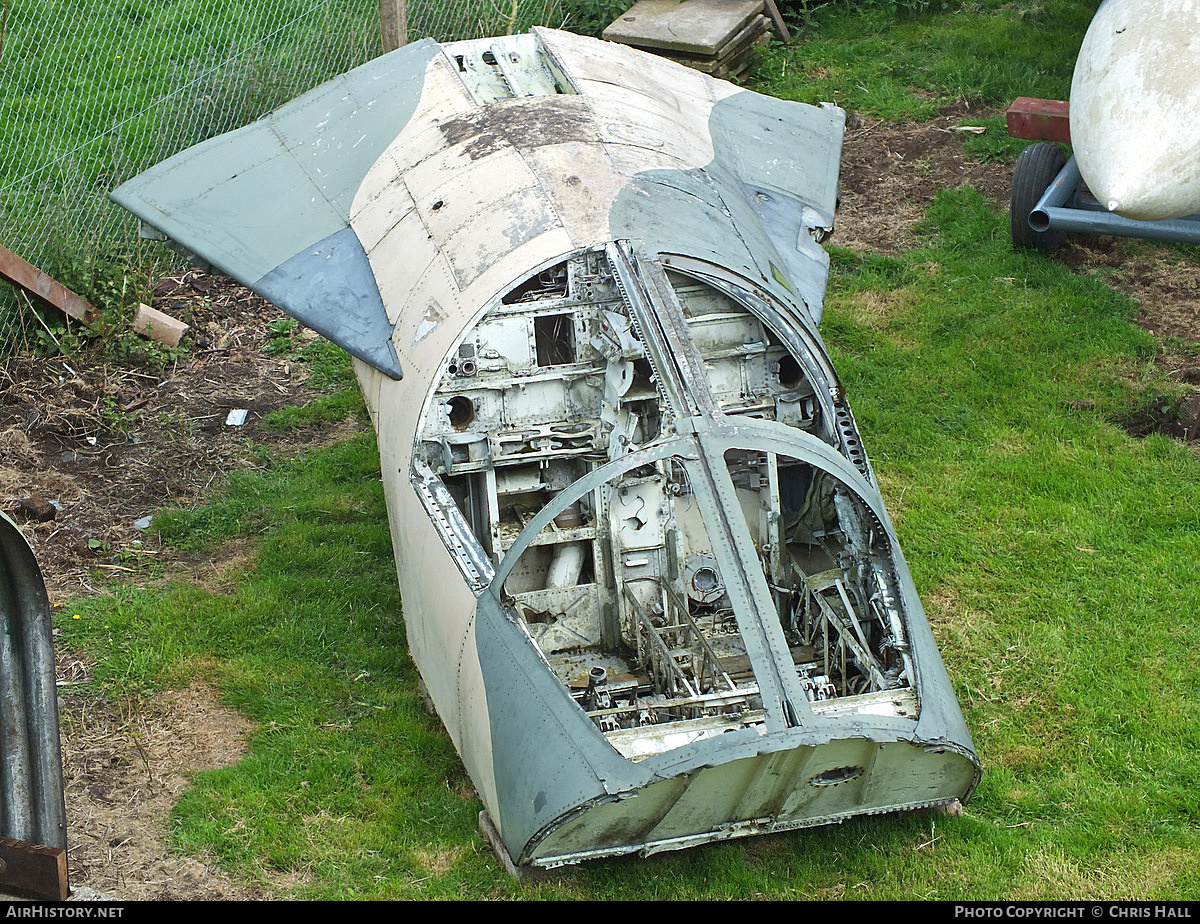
[(33, 869), (1039, 119), (697, 27), (46, 289), (735, 53), (152, 323), (776, 18)]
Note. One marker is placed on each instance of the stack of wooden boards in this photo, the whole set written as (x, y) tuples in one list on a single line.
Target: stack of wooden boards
[(717, 37)]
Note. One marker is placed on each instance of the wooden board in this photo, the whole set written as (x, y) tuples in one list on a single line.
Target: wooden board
[(733, 55), (33, 870), (44, 288), (698, 27)]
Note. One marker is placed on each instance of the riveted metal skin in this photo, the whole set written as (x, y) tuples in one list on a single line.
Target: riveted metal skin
[(648, 577)]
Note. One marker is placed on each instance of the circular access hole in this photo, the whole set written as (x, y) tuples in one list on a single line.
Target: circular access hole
[(789, 371), (462, 412), (705, 581)]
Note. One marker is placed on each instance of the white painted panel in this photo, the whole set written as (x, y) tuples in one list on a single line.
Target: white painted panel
[(582, 183), (380, 212), (1135, 96)]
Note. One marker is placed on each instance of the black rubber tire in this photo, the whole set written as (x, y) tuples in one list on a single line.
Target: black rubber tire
[(1036, 169)]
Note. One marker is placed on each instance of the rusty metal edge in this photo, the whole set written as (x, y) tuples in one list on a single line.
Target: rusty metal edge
[(46, 289), (33, 869)]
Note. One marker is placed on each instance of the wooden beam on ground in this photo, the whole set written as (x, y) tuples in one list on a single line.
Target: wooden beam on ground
[(34, 870), (152, 323), (46, 289)]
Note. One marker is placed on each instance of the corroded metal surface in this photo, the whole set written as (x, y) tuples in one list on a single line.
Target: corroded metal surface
[(31, 785), (648, 577)]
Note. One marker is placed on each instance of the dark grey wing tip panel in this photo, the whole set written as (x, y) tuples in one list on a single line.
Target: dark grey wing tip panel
[(330, 287)]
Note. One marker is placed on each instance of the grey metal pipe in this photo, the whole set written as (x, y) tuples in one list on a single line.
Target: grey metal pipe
[(1052, 212), (1057, 194), (1183, 230)]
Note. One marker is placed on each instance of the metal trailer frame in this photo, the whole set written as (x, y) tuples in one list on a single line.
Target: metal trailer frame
[(1049, 197)]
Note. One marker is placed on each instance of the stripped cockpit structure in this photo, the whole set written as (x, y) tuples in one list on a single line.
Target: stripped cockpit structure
[(648, 577)]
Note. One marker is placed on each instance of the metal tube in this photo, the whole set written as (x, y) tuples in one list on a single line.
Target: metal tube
[(1184, 230), (1057, 194), (1053, 213)]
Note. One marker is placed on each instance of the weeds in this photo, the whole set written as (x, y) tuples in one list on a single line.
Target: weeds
[(117, 423), (95, 94), (281, 331), (1155, 405), (592, 17)]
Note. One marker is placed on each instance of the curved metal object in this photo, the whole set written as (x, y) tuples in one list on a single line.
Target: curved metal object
[(31, 785), (1134, 95)]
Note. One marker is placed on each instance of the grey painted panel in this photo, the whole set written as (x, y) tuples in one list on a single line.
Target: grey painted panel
[(789, 147), (790, 223), (693, 213), (330, 288), (223, 201), (248, 201), (682, 211), (773, 178), (549, 757)]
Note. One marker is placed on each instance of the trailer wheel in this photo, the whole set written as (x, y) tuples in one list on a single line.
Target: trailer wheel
[(1036, 169)]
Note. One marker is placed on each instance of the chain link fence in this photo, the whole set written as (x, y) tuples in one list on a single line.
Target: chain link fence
[(97, 91)]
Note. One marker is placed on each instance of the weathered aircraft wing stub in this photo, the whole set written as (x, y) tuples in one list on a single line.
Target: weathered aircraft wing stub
[(632, 516)]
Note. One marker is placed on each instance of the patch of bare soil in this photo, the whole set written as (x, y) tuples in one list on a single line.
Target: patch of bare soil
[(126, 765), (106, 442), (97, 444), (110, 442), (891, 174)]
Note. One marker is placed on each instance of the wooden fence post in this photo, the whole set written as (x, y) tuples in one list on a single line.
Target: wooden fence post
[(393, 23)]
